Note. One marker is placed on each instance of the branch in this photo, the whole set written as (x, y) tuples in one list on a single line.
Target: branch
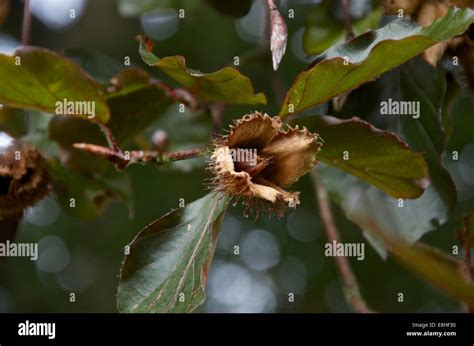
[(347, 20), (25, 30), (123, 159), (351, 287), (278, 34), (216, 110), (110, 138), (464, 236), (180, 95)]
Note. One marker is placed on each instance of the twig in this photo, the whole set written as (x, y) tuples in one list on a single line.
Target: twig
[(278, 34), (123, 159), (467, 246), (464, 236), (110, 138), (180, 95), (25, 31), (216, 115), (351, 287), (25, 40), (347, 19)]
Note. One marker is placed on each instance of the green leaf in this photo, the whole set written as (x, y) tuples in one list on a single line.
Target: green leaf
[(169, 260), (425, 134), (345, 67), (43, 78), (463, 127), (420, 81), (100, 66), (85, 196), (226, 85), (134, 104), (371, 208), (379, 157)]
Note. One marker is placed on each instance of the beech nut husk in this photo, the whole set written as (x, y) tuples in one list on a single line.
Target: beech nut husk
[(259, 159)]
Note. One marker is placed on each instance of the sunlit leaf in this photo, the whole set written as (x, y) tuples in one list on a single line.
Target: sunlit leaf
[(36, 78), (225, 85), (168, 263), (322, 30), (346, 66)]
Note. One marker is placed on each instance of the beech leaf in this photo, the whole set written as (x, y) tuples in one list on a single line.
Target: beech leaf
[(346, 66), (168, 263), (36, 78), (379, 157), (226, 85)]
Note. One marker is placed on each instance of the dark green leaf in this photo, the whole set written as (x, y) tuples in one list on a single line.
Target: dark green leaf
[(101, 67), (43, 78), (378, 157), (234, 8), (425, 134), (169, 260), (463, 123), (421, 82), (344, 67), (12, 121), (225, 85)]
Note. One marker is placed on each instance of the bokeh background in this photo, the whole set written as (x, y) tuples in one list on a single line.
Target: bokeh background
[(276, 256)]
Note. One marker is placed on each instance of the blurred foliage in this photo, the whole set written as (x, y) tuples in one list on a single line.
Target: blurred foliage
[(82, 255)]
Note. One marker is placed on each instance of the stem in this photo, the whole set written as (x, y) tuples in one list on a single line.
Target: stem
[(216, 115), (464, 236), (467, 247), (110, 138), (123, 159), (347, 19), (25, 39), (183, 155), (351, 287), (180, 95), (25, 31)]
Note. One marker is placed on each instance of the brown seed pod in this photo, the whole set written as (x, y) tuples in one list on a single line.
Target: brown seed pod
[(23, 182), (259, 158)]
